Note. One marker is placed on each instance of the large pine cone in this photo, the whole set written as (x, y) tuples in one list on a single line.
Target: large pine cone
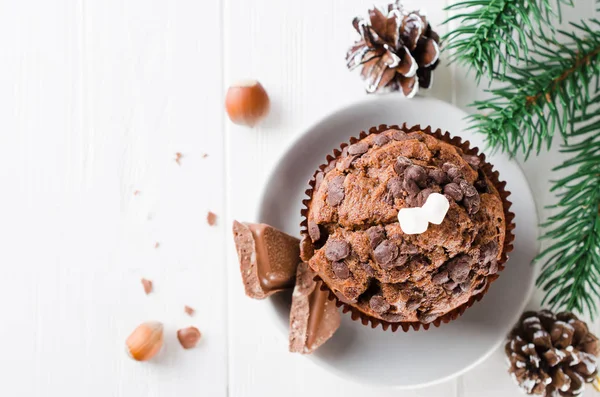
[(397, 52), (551, 354)]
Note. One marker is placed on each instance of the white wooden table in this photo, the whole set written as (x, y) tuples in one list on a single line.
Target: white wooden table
[(96, 97)]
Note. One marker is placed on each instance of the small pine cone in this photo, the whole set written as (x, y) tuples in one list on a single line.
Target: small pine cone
[(397, 50), (551, 354)]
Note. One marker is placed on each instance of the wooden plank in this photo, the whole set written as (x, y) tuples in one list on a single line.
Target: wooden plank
[(96, 100)]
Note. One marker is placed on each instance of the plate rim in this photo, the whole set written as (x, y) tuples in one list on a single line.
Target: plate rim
[(269, 307)]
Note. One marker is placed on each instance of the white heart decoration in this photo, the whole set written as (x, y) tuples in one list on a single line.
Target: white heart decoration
[(416, 220)]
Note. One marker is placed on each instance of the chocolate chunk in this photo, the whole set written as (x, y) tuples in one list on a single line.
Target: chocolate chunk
[(472, 204), (401, 164), (358, 148), (415, 173), (409, 249), (335, 193), (268, 258), (440, 278), (438, 176), (379, 304), (313, 230), (411, 187), (380, 139), (399, 135), (468, 189), (376, 235), (385, 253), (394, 185), (340, 269), (400, 261), (459, 268), (427, 317), (452, 170), (313, 317), (488, 252), (447, 166), (388, 198), (336, 249), (453, 191)]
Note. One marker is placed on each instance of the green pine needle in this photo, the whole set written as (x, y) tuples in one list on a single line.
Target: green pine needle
[(544, 95), (571, 271), (492, 33)]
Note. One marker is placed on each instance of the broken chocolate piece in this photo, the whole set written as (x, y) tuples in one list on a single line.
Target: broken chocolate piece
[(268, 258), (313, 317)]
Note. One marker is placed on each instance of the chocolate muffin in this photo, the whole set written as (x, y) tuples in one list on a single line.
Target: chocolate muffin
[(354, 242)]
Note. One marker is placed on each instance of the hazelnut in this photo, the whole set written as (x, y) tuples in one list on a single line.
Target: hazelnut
[(145, 341), (247, 103), (189, 337)]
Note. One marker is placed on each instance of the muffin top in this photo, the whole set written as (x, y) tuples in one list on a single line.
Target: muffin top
[(358, 248)]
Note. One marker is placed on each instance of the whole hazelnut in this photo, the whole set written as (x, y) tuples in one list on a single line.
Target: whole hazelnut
[(188, 337), (247, 103), (145, 341)]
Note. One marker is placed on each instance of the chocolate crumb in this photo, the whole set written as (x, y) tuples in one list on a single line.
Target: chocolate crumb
[(188, 337), (178, 157), (147, 284), (189, 310), (211, 218)]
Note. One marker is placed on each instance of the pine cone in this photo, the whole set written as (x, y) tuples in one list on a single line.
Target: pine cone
[(551, 354), (397, 52)]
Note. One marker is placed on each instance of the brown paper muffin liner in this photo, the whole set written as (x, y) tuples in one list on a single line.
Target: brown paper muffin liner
[(492, 175)]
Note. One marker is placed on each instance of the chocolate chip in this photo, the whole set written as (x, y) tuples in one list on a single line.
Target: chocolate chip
[(380, 140), (345, 163), (440, 278), (413, 304), (454, 173), (368, 269), (376, 235), (474, 161), (313, 231), (468, 189), (336, 250), (450, 285), (401, 164), (318, 179), (358, 148), (488, 251), (335, 193), (409, 249), (472, 204), (399, 135), (459, 268), (422, 196), (340, 269), (388, 198), (394, 185), (385, 253), (427, 317), (447, 166), (379, 304), (415, 173), (453, 191), (411, 187), (401, 260), (438, 176)]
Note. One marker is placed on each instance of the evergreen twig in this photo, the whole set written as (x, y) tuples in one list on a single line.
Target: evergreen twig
[(571, 271), (491, 33), (544, 95)]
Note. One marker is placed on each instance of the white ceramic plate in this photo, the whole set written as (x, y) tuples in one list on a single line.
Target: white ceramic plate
[(412, 359)]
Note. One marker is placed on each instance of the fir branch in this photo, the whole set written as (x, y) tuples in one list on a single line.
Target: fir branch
[(571, 273), (544, 95), (491, 33)]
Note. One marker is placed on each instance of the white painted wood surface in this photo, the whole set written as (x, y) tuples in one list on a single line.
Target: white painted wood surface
[(95, 100)]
